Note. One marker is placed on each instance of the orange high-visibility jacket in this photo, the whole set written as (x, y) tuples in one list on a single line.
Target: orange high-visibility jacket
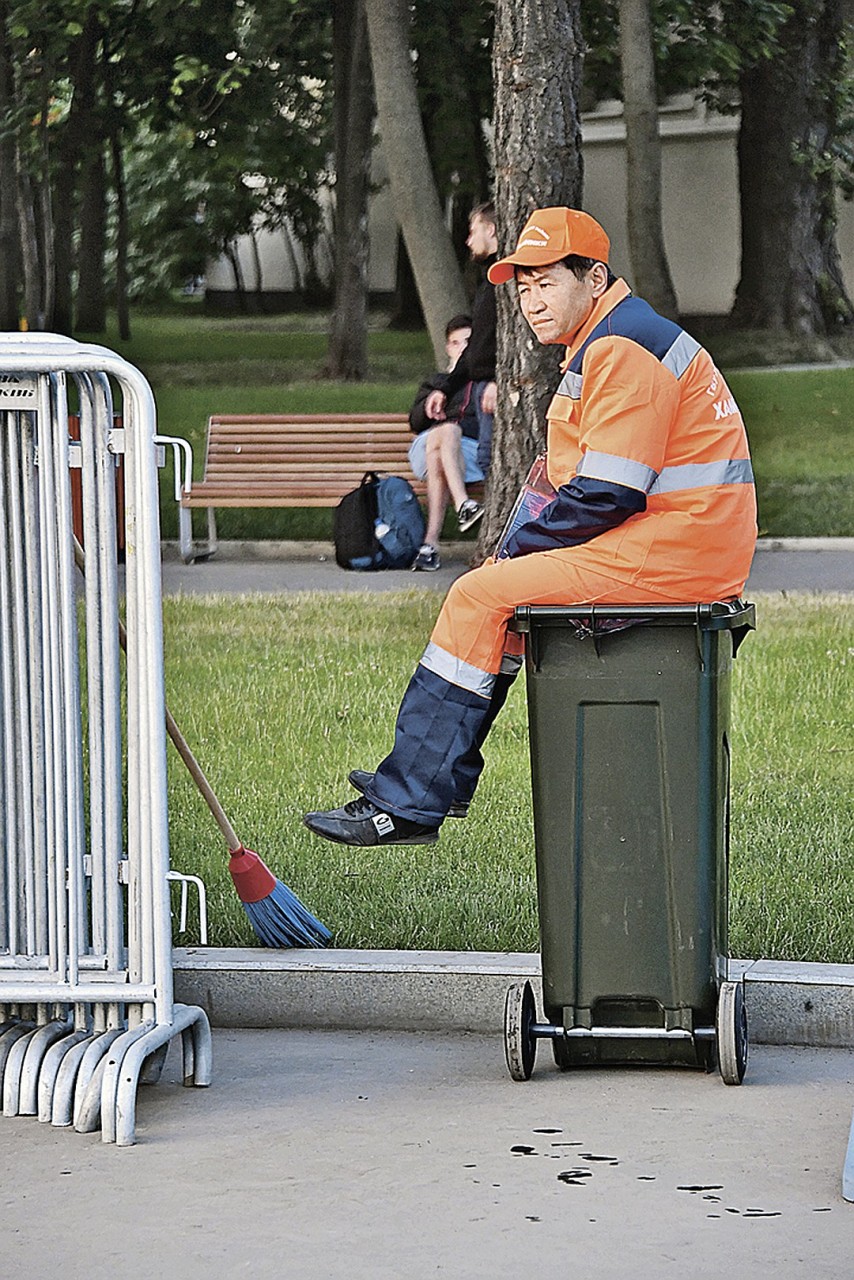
[(642, 405), (644, 421)]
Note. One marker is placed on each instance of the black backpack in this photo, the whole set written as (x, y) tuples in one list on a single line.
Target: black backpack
[(380, 525)]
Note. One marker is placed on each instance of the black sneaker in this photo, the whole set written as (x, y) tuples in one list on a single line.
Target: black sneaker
[(427, 560), (361, 823), (361, 780), (468, 514)]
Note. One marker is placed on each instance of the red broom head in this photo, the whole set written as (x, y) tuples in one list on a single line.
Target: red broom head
[(252, 879)]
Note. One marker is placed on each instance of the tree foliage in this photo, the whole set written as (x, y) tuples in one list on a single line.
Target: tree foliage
[(223, 100), (157, 134)]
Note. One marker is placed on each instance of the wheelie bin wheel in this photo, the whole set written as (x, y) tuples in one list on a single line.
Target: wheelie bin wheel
[(520, 1046), (731, 1026)]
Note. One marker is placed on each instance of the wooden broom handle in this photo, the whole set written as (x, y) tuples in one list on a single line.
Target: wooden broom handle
[(179, 741)]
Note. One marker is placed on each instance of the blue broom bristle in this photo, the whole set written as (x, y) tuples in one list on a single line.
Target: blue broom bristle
[(281, 920)]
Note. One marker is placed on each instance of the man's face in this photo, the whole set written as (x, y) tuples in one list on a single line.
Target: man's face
[(456, 343), (555, 302), (482, 241)]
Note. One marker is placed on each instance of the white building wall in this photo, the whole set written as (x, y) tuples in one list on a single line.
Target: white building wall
[(700, 211), (699, 198)]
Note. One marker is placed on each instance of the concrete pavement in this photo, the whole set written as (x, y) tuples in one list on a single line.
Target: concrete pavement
[(377, 1156), (780, 564)]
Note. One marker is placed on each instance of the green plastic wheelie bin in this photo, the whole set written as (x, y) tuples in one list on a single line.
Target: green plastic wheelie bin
[(628, 710)]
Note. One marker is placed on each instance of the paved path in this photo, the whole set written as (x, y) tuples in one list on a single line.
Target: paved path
[(359, 1156), (825, 565)]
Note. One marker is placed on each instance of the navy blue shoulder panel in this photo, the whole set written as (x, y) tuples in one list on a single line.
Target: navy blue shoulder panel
[(635, 319)]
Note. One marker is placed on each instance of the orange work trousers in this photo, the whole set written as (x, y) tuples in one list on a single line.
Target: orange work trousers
[(472, 625)]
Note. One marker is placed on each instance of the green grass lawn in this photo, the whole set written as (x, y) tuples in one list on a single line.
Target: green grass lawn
[(280, 696), (800, 422), (801, 428)]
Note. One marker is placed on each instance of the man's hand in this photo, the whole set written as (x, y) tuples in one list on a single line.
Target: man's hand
[(489, 398), (434, 405)]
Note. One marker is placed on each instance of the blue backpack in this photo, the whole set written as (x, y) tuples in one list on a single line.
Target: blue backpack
[(380, 525)]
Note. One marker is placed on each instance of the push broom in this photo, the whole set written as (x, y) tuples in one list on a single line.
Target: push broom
[(275, 912)]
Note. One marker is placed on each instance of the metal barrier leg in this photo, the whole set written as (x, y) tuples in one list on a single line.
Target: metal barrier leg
[(198, 1053), (14, 1070), (56, 1055), (31, 1067), (8, 1040), (120, 1087), (114, 1065)]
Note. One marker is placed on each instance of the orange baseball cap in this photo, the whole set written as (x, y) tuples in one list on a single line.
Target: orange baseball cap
[(550, 235)]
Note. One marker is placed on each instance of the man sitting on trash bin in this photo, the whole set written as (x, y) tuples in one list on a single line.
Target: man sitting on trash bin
[(655, 504)]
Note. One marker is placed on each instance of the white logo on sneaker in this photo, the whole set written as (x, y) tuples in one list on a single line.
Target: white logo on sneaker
[(383, 824)]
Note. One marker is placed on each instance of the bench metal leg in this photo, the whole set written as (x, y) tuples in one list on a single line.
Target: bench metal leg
[(191, 551), (212, 538), (185, 534)]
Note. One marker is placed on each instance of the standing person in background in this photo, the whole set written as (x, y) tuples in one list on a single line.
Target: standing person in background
[(445, 453), (477, 363)]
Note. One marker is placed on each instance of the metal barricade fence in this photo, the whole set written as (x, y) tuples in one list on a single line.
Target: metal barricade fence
[(86, 990)]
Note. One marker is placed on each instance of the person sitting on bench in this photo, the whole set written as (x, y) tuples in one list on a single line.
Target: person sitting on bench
[(445, 452)]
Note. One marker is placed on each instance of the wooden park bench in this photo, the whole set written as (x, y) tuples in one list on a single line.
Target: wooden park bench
[(290, 460)]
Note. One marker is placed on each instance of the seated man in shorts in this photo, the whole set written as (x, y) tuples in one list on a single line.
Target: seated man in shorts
[(445, 451)]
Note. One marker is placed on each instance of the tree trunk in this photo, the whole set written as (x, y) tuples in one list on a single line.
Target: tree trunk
[(537, 58), (113, 118), (406, 309), (650, 269), (257, 270), (45, 212), (791, 275), (233, 255), (91, 294), (76, 133), (9, 259), (290, 254), (122, 306), (354, 118), (412, 184), (30, 264), (454, 103), (64, 200)]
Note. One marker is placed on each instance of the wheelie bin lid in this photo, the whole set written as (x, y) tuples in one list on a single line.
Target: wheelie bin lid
[(738, 616), (720, 615)]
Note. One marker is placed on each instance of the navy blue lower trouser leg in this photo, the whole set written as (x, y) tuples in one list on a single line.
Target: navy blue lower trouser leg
[(438, 725), (469, 767)]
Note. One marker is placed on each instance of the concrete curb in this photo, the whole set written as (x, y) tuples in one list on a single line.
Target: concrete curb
[(272, 550), (787, 1003), (283, 550)]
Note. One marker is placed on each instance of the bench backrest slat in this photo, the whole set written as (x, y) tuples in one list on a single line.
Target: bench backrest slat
[(328, 442)]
